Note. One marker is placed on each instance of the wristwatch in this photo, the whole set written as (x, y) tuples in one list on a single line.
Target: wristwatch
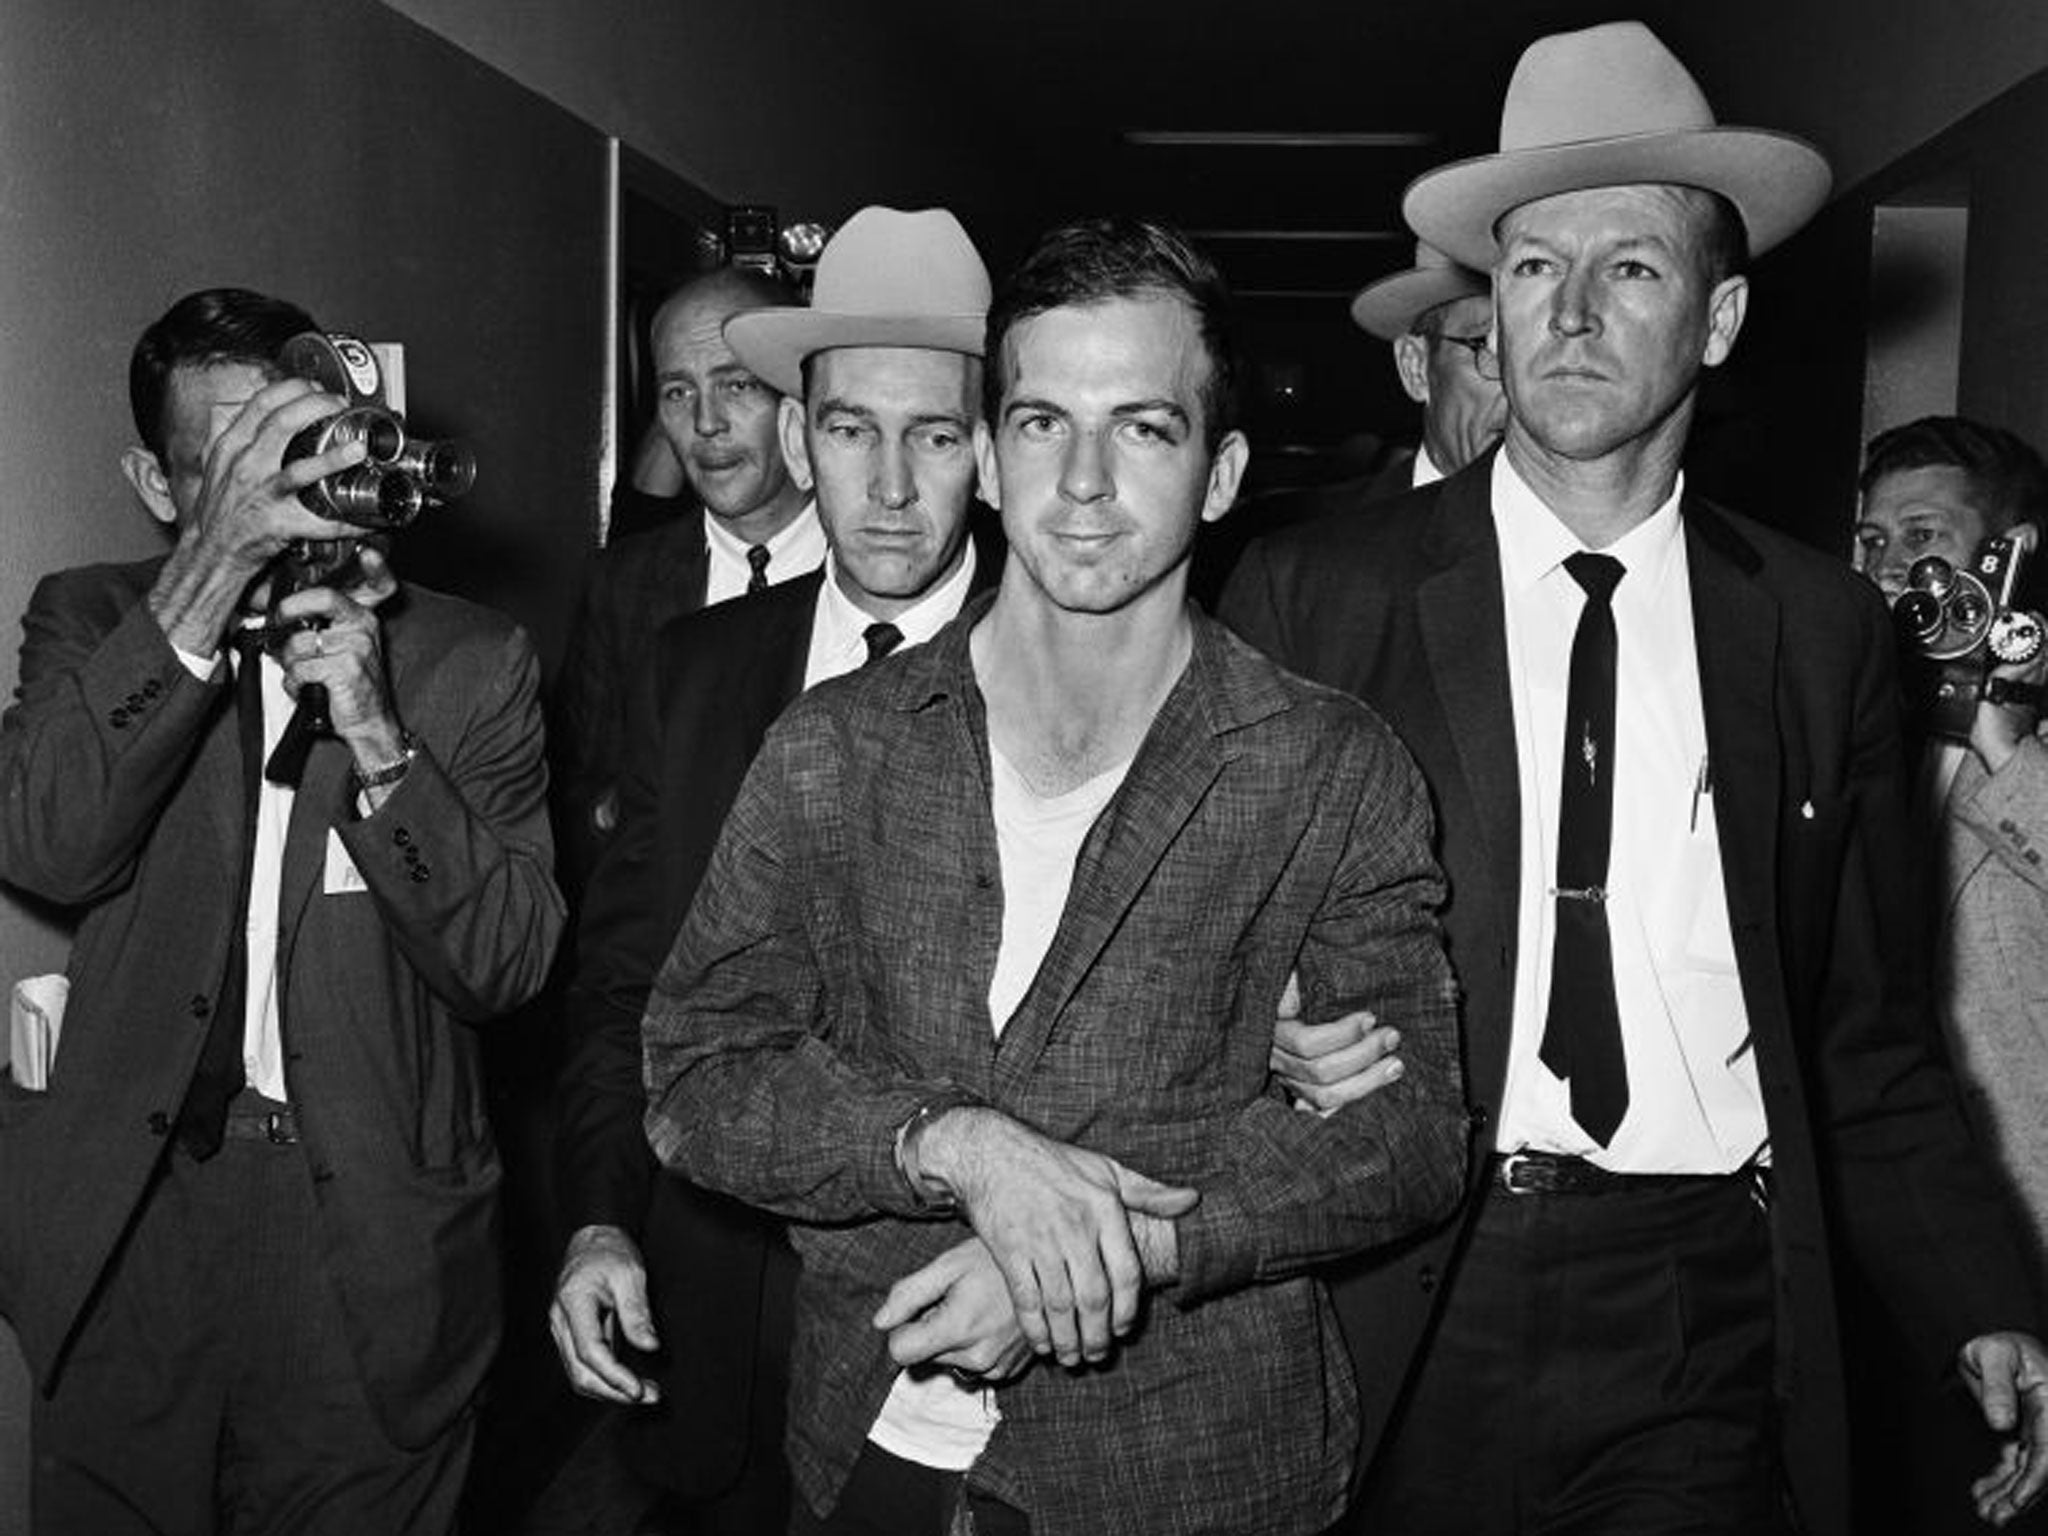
[(409, 747)]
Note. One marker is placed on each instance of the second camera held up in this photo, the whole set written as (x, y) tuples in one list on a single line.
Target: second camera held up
[(1956, 625)]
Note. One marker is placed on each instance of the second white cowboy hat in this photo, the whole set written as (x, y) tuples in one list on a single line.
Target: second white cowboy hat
[(1390, 307), (1611, 106), (886, 279)]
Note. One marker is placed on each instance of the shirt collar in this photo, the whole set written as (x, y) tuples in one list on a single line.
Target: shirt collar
[(798, 547), (1534, 542), (841, 622), (1231, 685), (1424, 471)]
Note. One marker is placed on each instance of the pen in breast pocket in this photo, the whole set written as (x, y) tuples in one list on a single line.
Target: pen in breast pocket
[(1702, 785)]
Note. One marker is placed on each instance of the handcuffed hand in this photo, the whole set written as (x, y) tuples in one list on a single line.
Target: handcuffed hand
[(956, 1312), (1057, 1219)]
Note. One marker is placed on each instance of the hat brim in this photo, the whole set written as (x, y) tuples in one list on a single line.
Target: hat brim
[(1390, 307), (775, 342), (1776, 181)]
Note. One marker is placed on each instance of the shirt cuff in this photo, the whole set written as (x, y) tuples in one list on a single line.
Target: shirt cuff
[(200, 667)]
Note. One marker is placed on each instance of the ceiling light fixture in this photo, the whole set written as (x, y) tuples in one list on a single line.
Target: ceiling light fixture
[(1361, 235), (1151, 138)]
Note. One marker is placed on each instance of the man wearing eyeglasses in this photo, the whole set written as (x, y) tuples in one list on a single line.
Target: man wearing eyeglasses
[(1438, 316)]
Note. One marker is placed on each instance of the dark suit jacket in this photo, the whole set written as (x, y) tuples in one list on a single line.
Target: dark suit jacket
[(1404, 610), (1287, 508), (1220, 545), (120, 793), (715, 682), (631, 588)]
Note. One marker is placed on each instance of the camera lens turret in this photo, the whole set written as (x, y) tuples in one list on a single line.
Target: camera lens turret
[(1919, 618), (1931, 573)]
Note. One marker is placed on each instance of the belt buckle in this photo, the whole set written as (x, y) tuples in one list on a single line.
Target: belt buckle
[(1510, 1173)]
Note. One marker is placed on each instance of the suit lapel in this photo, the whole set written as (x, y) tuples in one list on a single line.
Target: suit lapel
[(1464, 631), (1735, 633), (217, 853), (692, 578), (785, 660), (1168, 778)]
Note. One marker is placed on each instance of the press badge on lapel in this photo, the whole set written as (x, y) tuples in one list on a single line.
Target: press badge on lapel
[(341, 876)]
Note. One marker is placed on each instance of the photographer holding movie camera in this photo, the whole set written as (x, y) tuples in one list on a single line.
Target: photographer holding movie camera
[(1950, 515), (246, 1217), (1951, 510)]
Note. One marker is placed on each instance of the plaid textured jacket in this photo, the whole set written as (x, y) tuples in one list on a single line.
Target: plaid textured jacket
[(834, 972)]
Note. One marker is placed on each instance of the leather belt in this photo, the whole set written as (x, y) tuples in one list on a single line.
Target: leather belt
[(1554, 1173), (279, 1127)]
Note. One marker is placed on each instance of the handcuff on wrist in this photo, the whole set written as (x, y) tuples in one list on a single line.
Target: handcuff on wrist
[(931, 1199)]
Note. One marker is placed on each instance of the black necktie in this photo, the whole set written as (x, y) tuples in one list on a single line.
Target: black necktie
[(757, 564), (882, 638), (202, 1118), (1582, 1030)]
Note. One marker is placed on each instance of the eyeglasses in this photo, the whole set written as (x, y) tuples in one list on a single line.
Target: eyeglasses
[(1485, 361)]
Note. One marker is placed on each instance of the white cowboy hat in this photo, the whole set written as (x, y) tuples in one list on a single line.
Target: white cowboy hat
[(886, 279), (1611, 106), (1390, 307)]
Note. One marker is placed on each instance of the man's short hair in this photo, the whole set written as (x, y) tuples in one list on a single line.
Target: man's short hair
[(212, 326), (2007, 474), (760, 290), (1429, 325), (1724, 239), (747, 287), (1095, 260)]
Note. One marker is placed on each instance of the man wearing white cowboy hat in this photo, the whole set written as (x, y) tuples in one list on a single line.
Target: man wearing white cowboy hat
[(1664, 750), (981, 984), (890, 348)]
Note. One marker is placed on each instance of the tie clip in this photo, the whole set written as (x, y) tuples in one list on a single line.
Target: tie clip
[(1579, 892)]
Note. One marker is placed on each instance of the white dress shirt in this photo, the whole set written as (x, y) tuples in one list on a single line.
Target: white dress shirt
[(1423, 470), (262, 1037), (797, 550), (838, 640), (1694, 1104)]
